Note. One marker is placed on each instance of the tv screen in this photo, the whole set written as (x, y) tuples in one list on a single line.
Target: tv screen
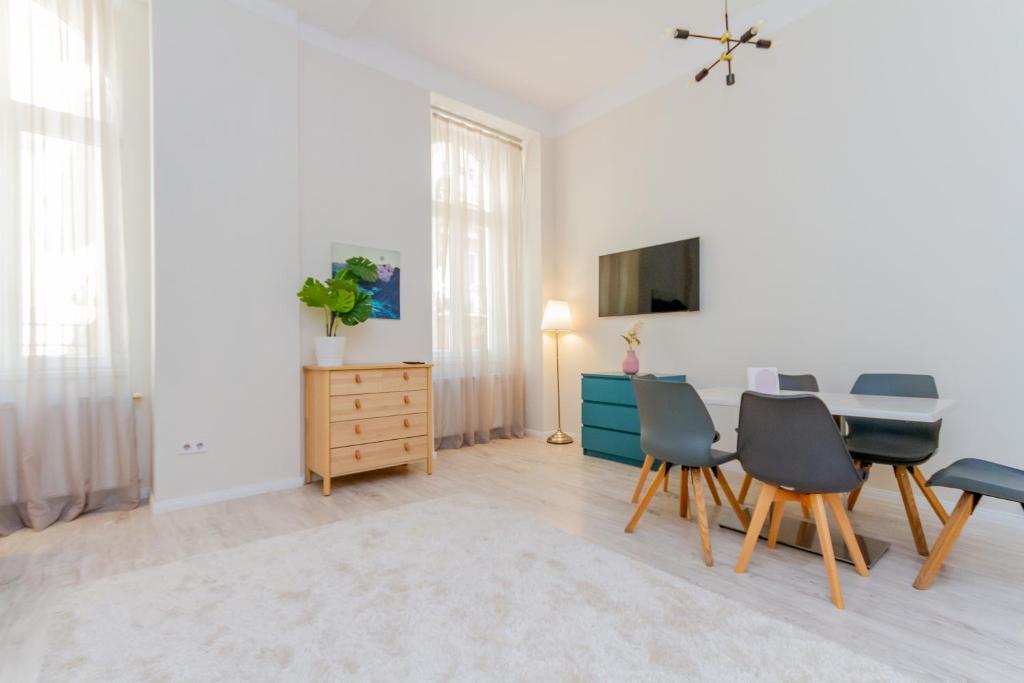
[(660, 279)]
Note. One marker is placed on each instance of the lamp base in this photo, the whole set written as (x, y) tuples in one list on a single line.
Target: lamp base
[(560, 438)]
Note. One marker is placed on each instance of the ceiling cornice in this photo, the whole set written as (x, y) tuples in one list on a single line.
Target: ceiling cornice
[(403, 65)]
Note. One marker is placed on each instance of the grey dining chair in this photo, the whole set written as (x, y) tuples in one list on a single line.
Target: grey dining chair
[(786, 383), (792, 445), (676, 429), (649, 463), (902, 445)]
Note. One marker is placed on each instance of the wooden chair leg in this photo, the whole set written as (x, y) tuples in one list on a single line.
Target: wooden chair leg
[(638, 489), (929, 495), (727, 490), (702, 516), (665, 485), (805, 510), (947, 539), (711, 485), (684, 493), (851, 498), (764, 502), (827, 552), (773, 531), (745, 488), (907, 493), (642, 507), (846, 529)]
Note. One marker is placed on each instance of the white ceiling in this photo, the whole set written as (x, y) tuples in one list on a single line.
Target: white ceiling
[(551, 54)]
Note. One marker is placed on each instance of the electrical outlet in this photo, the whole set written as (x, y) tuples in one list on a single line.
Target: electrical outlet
[(189, 447)]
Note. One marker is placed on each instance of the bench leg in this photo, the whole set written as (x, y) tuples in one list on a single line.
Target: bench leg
[(907, 493), (961, 513), (929, 495)]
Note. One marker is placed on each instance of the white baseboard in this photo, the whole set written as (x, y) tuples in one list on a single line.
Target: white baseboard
[(1000, 512), (225, 494), (993, 510), (544, 434)]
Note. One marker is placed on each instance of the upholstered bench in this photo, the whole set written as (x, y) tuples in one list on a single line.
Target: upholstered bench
[(976, 478)]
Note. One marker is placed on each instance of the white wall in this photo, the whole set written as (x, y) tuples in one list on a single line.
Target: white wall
[(856, 194), (268, 147), (226, 247), (365, 179)]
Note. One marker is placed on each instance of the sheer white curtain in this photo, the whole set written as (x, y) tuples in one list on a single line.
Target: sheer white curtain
[(66, 430), (478, 233)]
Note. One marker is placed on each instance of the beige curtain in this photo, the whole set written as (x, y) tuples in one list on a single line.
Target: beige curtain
[(66, 432), (477, 260)]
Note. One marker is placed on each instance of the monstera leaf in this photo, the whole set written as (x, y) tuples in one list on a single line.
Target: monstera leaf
[(341, 295), (359, 268), (360, 312), (314, 293)]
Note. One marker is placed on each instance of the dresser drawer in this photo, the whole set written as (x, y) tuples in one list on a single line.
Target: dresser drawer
[(609, 416), (362, 406), (345, 382), (404, 380), (374, 455), (355, 432)]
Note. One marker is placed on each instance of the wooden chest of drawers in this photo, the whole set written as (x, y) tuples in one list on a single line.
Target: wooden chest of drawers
[(366, 417)]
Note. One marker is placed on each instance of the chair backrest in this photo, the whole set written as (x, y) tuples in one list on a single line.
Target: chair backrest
[(798, 383), (674, 423), (914, 386), (793, 441)]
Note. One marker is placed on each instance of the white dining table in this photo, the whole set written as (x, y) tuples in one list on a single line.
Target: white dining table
[(802, 534), (850, 405)]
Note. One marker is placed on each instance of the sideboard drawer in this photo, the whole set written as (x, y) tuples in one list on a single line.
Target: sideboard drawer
[(356, 382), (623, 446), (609, 390), (361, 406), (375, 455), (377, 429), (404, 380), (609, 416)]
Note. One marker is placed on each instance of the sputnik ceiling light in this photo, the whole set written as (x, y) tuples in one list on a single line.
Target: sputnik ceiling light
[(727, 41)]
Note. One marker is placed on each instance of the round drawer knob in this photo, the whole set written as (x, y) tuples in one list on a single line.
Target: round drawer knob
[(359, 378), (405, 423), (359, 404), (405, 376), (359, 429), (407, 400), (359, 456), (408, 447)]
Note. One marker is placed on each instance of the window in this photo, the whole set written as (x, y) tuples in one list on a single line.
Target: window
[(54, 163)]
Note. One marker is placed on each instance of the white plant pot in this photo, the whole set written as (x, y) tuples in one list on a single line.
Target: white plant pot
[(330, 351)]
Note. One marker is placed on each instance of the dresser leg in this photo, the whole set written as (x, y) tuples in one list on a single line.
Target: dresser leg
[(309, 475), (430, 461), (327, 486)]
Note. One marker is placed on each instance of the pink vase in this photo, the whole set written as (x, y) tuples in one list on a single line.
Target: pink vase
[(631, 364)]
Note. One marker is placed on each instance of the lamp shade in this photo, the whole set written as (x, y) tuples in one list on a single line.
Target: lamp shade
[(556, 317)]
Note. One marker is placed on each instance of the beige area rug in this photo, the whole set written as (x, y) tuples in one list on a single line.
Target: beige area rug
[(450, 589)]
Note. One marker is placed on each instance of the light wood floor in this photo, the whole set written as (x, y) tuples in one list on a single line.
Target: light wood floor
[(969, 626)]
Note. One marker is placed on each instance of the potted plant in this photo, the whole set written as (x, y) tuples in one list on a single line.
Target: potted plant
[(342, 301)]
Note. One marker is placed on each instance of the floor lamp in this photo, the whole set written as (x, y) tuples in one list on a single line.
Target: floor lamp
[(557, 319)]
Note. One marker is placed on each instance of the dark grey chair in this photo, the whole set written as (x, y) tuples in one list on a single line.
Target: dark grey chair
[(676, 429), (649, 463), (902, 445), (976, 478), (792, 445), (786, 383)]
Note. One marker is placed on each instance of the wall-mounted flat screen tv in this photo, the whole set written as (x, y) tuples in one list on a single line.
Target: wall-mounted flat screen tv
[(659, 279)]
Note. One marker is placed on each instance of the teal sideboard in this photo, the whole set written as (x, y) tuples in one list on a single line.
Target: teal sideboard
[(611, 423)]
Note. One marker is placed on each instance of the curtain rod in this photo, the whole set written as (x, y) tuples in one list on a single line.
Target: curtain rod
[(470, 123)]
